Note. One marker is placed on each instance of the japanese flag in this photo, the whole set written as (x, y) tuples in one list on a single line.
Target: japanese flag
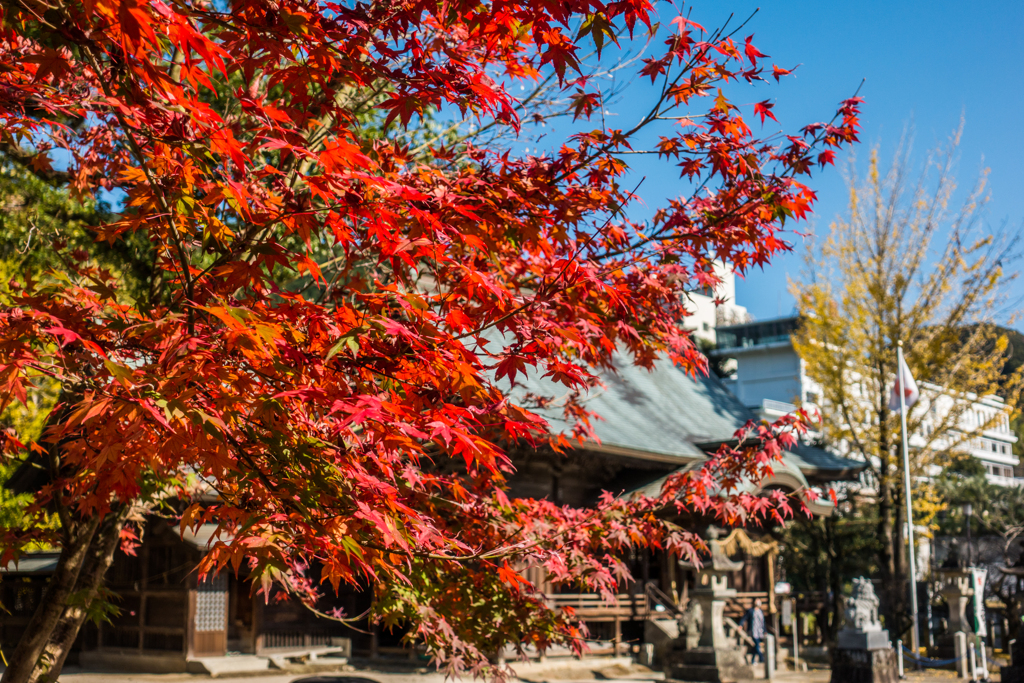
[(905, 383)]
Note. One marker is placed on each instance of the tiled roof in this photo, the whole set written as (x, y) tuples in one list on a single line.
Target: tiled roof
[(32, 563), (666, 414)]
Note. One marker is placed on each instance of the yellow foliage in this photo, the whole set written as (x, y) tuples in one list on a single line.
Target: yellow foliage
[(902, 266)]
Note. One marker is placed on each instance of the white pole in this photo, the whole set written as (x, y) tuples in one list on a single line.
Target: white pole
[(914, 642), (960, 652), (796, 638), (899, 657)]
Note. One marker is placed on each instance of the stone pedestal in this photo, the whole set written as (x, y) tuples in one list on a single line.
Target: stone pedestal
[(712, 665), (850, 639), (864, 666), (1015, 672), (716, 658), (863, 653)]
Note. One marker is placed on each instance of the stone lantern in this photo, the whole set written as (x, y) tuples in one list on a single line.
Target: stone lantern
[(717, 657), (1015, 672), (955, 579)]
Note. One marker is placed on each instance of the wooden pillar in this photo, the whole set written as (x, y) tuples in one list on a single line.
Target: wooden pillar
[(143, 592), (672, 587), (773, 609), (665, 573), (618, 637), (684, 594), (257, 625), (190, 623), (375, 641)]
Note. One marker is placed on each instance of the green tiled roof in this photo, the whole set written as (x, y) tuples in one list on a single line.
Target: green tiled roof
[(665, 413)]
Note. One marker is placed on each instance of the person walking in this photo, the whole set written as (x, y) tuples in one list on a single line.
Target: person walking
[(753, 622)]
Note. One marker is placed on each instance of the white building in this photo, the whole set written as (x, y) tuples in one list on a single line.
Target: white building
[(706, 316), (771, 378)]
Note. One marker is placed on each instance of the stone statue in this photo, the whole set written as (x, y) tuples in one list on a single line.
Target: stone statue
[(861, 608), (862, 653)]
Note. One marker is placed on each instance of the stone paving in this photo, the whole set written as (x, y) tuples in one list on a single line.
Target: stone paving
[(587, 671)]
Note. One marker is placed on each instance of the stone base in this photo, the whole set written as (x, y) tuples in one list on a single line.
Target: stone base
[(850, 639), (864, 666), (707, 664), (662, 634), (171, 662), (944, 647)]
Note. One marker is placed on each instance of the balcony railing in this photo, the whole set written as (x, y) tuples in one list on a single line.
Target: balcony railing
[(1004, 481), (777, 406)]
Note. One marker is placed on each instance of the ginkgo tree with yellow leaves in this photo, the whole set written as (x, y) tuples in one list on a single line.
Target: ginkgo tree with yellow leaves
[(908, 261)]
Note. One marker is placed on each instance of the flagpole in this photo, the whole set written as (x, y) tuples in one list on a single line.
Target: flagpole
[(915, 643)]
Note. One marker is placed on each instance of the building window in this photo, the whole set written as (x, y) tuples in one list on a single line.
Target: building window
[(706, 329)]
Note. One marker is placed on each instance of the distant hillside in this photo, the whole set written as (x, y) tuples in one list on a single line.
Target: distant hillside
[(1016, 358)]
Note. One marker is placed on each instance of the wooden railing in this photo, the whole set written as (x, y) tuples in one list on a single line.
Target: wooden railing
[(734, 630), (645, 604), (593, 607), (292, 639)]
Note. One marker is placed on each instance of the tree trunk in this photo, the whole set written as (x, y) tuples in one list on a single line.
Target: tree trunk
[(884, 533), (834, 585), (900, 586), (90, 580), (49, 635)]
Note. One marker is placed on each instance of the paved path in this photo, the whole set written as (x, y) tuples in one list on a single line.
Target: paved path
[(587, 671)]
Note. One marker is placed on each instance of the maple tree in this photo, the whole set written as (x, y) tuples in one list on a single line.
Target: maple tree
[(344, 266)]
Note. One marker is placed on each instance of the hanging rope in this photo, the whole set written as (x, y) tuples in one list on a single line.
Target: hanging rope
[(738, 540), (928, 662)]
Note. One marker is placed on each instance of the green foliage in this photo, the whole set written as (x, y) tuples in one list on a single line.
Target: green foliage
[(40, 228), (827, 552), (959, 465), (998, 510)]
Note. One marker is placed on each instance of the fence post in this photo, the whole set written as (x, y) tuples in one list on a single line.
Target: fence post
[(796, 640), (899, 657), (974, 662), (769, 659), (984, 658), (960, 652)]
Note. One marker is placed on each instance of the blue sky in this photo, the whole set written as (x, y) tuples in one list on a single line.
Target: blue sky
[(926, 63)]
